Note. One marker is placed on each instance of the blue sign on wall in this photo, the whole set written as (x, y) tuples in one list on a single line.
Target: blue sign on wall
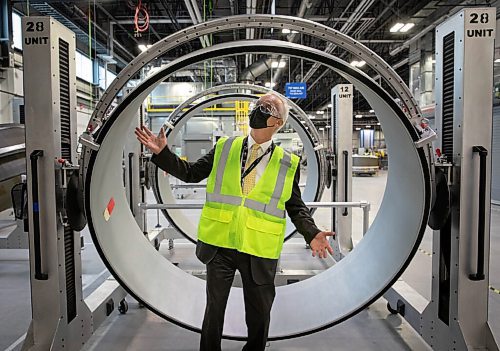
[(296, 90)]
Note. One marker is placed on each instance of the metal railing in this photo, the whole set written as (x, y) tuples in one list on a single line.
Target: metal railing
[(202, 186), (365, 205)]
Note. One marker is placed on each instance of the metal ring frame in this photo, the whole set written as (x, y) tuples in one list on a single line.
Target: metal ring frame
[(302, 308), (299, 25), (161, 187), (251, 87)]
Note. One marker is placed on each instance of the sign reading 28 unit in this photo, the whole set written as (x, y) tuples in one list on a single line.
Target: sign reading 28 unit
[(479, 25), (35, 28)]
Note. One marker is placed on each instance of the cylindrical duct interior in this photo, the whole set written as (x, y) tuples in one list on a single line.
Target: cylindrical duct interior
[(163, 191), (307, 306)]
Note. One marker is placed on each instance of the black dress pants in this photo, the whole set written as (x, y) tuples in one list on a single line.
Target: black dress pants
[(258, 301)]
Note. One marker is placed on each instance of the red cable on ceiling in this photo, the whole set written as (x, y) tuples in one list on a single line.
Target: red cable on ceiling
[(141, 15)]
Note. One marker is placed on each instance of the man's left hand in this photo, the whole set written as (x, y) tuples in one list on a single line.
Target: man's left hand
[(319, 245)]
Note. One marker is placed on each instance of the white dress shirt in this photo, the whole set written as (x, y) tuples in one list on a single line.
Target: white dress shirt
[(261, 166)]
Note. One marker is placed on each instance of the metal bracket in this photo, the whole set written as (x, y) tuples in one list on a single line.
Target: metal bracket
[(427, 137), (87, 141)]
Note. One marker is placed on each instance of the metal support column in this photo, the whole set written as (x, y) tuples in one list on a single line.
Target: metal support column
[(135, 192), (5, 33), (341, 132), (61, 318), (456, 318)]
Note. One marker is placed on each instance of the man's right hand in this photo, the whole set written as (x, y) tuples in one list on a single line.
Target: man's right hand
[(151, 141)]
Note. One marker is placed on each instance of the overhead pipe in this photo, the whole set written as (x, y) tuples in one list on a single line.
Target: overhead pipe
[(318, 18), (426, 30), (377, 77), (429, 27), (250, 32), (360, 10), (349, 23), (395, 66), (83, 15), (203, 40), (254, 11), (304, 8), (4, 33), (259, 67), (158, 21), (366, 41), (362, 28), (200, 19), (232, 6)]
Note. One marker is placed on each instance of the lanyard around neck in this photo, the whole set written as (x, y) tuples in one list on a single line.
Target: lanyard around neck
[(245, 172)]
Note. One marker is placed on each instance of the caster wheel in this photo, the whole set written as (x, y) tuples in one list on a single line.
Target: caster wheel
[(157, 244), (390, 309), (123, 307)]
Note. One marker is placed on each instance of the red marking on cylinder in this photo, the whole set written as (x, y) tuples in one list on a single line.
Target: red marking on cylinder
[(111, 205)]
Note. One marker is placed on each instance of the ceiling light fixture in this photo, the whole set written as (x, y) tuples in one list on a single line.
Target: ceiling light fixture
[(269, 85), (407, 27), (357, 128), (358, 63), (144, 47), (330, 105), (320, 112), (358, 116), (276, 64), (396, 28), (402, 27)]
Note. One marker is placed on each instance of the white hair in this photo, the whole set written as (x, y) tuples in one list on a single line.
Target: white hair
[(284, 110)]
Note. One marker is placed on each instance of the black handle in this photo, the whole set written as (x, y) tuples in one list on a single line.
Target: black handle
[(34, 156), (346, 180), (483, 153), (130, 185)]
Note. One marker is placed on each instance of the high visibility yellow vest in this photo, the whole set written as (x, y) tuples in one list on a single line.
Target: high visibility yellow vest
[(256, 223)]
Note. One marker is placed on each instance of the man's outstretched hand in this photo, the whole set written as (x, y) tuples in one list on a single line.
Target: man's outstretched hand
[(151, 141), (319, 245)]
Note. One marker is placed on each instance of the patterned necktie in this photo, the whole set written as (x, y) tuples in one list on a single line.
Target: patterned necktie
[(249, 181)]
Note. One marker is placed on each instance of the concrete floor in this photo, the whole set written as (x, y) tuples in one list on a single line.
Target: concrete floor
[(372, 329)]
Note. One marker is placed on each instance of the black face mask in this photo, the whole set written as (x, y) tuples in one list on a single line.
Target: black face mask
[(258, 119)]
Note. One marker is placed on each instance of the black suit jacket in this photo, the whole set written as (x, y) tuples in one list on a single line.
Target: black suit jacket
[(263, 269)]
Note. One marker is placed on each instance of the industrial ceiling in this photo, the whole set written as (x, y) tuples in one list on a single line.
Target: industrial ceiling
[(117, 28)]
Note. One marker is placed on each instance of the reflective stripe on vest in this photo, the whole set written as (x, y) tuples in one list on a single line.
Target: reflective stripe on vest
[(224, 199), (222, 165), (270, 208)]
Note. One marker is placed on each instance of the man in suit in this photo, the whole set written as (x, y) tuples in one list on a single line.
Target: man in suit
[(256, 263)]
